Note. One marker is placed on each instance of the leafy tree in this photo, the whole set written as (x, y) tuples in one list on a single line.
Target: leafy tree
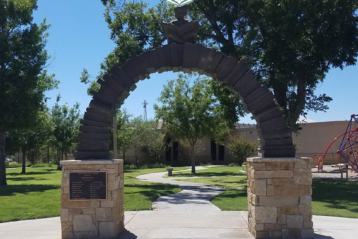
[(190, 112), (66, 128), (23, 80), (124, 132), (30, 141), (145, 138), (291, 44), (240, 148)]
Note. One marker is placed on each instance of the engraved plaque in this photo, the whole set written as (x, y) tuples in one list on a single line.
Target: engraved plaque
[(88, 186)]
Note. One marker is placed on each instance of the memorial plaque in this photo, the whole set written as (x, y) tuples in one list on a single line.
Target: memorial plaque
[(88, 186)]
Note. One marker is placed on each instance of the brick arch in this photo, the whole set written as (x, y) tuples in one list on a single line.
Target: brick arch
[(94, 137)]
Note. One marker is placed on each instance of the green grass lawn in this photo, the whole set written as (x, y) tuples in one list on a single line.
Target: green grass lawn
[(330, 198), (36, 194), (212, 171)]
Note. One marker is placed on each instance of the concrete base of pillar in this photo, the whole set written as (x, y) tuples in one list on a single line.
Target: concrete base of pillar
[(279, 197), (93, 218)]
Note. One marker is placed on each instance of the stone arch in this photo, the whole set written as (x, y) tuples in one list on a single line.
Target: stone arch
[(94, 138)]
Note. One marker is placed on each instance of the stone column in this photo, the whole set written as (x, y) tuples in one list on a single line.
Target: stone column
[(279, 197), (93, 218)]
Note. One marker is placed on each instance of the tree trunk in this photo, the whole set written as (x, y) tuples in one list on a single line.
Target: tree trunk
[(23, 161), (124, 156), (58, 158), (48, 153), (193, 159), (2, 159)]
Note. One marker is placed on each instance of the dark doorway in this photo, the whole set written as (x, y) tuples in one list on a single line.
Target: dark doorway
[(213, 150)]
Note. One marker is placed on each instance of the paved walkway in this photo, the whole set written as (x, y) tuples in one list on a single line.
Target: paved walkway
[(193, 197), (185, 215)]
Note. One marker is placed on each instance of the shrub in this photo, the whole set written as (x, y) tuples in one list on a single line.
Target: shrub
[(41, 165), (145, 166), (13, 165), (240, 148)]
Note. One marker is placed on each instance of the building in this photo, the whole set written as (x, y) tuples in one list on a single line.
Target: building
[(313, 139)]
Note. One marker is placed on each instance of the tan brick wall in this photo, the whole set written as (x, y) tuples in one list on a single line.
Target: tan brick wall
[(279, 197), (93, 218)]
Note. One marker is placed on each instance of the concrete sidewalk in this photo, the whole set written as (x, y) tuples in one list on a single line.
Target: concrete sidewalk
[(179, 225)]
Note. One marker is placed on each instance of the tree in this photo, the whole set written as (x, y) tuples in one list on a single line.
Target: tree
[(145, 138), (290, 44), (240, 148), (191, 112), (23, 80), (66, 128), (30, 141), (124, 133)]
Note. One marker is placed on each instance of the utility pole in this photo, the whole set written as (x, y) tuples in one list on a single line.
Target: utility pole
[(145, 103)]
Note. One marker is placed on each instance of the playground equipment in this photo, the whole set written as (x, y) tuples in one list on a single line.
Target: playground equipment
[(348, 149)]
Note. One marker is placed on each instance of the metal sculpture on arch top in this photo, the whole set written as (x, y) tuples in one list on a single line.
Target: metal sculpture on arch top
[(182, 54)]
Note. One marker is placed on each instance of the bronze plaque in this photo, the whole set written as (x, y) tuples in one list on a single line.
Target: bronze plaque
[(88, 186)]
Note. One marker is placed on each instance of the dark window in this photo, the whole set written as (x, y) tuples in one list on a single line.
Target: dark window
[(176, 151), (221, 152), (168, 153), (213, 150)]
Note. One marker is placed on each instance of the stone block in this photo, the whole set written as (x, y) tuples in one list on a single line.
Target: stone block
[(75, 211), (291, 190), (88, 211), (259, 166), (260, 187), (275, 234), (308, 224), (294, 221), (67, 235), (302, 176), (301, 165), (306, 200), (306, 210), (278, 201), (95, 204), (295, 233), (281, 219), (86, 234), (104, 214), (265, 214), (286, 166), (273, 166), (66, 226), (108, 230), (113, 182), (64, 215), (272, 174), (261, 235), (307, 233), (66, 203), (290, 210), (270, 190), (83, 223), (272, 227), (260, 227), (285, 233), (282, 181), (107, 204)]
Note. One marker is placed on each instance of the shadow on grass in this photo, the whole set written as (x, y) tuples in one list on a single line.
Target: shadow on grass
[(46, 171), (152, 192), (209, 174), (337, 194), (11, 190), (25, 179)]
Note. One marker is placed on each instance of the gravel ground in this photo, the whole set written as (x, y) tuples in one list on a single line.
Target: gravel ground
[(325, 175)]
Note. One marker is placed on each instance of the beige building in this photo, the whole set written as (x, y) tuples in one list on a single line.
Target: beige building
[(313, 139)]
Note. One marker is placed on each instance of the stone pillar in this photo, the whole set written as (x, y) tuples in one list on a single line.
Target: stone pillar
[(93, 218), (279, 197)]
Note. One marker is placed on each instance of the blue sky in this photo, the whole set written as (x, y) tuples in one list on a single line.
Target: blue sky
[(79, 38)]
